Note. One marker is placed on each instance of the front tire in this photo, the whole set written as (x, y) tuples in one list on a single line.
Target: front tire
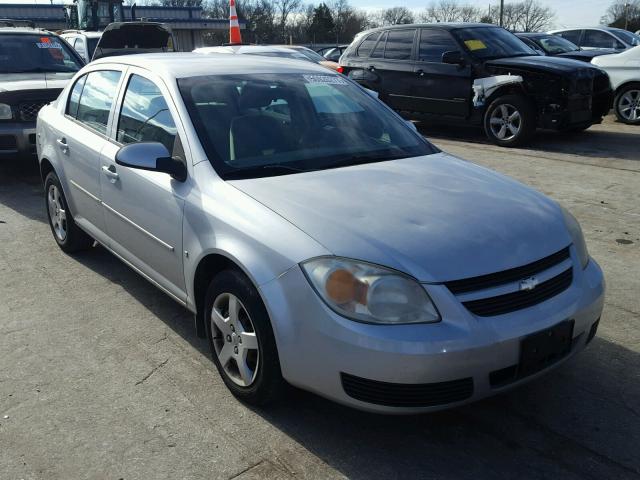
[(627, 104), (69, 237), (510, 121), (241, 339)]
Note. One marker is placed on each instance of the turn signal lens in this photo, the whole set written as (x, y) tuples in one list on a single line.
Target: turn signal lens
[(369, 293), (5, 112)]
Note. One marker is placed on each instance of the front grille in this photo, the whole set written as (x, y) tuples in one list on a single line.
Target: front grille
[(513, 301), (507, 276), (28, 111), (405, 394)]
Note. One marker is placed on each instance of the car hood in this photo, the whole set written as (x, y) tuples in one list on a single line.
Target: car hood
[(555, 65), (436, 217), (585, 55), (10, 82)]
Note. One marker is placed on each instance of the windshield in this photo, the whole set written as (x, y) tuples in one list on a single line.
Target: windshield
[(628, 37), (554, 44), (274, 124), (492, 42), (36, 54)]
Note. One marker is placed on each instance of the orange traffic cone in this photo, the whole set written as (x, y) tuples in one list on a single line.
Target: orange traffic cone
[(234, 27)]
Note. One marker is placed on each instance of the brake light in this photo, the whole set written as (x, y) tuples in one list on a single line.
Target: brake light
[(340, 69)]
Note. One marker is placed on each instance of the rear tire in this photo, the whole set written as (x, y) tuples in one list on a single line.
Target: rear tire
[(626, 104), (241, 339), (69, 237), (510, 120)]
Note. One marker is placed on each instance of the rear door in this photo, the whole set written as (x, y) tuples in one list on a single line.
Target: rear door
[(438, 87), (574, 36), (593, 39), (80, 139), (143, 209), (392, 60)]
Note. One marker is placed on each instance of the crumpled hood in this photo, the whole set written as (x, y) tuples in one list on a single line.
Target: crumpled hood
[(10, 82), (435, 217), (556, 65)]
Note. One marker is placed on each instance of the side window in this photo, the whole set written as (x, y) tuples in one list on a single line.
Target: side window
[(433, 43), (97, 98), (145, 115), (599, 39), (367, 44), (378, 52), (74, 97), (79, 46), (571, 35), (399, 44)]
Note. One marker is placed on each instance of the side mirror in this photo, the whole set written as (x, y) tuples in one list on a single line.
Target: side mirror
[(411, 125), (453, 57), (152, 156)]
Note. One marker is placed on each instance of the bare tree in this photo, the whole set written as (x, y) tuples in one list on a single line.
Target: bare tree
[(450, 11), (395, 16), (284, 9), (526, 16), (623, 14)]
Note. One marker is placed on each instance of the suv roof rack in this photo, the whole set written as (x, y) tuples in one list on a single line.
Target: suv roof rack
[(11, 22)]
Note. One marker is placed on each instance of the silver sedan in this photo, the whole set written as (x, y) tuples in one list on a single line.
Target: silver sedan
[(319, 240)]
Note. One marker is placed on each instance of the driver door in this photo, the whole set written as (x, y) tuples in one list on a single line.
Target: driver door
[(143, 210)]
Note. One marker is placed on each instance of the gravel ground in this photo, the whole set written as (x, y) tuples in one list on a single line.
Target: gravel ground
[(102, 376)]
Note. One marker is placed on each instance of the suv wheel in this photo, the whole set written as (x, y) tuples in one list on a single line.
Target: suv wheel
[(627, 104), (68, 235), (510, 120), (241, 339)]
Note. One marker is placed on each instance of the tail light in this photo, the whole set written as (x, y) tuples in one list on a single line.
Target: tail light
[(340, 69)]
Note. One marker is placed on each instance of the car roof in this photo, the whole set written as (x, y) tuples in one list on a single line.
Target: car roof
[(600, 27), (26, 31), (183, 64), (240, 49), (533, 34), (442, 25)]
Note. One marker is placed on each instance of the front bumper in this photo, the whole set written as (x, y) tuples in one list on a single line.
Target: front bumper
[(318, 349), (17, 138)]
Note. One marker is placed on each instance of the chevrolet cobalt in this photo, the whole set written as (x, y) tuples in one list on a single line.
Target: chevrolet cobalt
[(316, 236)]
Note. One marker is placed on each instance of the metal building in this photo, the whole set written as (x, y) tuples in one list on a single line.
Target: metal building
[(187, 23)]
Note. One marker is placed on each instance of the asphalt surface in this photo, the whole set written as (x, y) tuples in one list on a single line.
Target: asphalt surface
[(102, 376)]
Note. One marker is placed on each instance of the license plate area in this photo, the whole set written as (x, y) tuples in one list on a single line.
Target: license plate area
[(542, 349)]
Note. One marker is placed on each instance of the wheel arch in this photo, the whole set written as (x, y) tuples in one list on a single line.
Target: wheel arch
[(45, 168), (625, 85)]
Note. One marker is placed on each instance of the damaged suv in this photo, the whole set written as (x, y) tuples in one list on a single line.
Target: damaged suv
[(478, 73)]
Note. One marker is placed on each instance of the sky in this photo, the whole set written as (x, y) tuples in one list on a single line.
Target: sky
[(569, 13)]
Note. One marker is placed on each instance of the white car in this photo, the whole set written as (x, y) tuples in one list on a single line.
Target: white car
[(83, 42), (624, 72)]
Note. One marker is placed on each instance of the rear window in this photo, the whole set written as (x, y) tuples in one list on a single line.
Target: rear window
[(367, 44), (36, 53)]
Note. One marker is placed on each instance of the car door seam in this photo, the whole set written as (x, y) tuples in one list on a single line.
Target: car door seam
[(86, 192), (133, 224)]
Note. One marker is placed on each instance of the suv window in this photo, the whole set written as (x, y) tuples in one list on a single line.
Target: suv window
[(97, 98), (367, 44), (378, 52), (145, 115), (600, 39), (79, 46), (571, 35), (433, 43), (399, 44)]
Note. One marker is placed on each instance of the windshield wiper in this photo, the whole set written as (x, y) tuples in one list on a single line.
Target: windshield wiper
[(257, 170), (362, 159)]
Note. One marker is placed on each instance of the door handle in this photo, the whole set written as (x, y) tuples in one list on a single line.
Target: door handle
[(110, 172), (420, 72), (63, 144)]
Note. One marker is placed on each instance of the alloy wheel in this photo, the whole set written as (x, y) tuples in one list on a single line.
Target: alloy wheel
[(57, 213), (505, 122), (629, 105), (234, 339)]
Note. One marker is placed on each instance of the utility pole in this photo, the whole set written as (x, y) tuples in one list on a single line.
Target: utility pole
[(501, 12), (626, 16)]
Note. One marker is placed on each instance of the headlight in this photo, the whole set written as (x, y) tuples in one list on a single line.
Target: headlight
[(369, 293), (577, 237), (5, 112)]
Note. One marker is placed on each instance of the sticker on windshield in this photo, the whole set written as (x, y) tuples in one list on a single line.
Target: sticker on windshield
[(475, 44), (326, 79), (49, 45)]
